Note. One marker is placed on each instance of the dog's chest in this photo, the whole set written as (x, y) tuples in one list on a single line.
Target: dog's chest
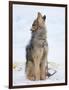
[(39, 39)]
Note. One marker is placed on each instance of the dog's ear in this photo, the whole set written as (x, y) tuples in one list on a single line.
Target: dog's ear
[(44, 17)]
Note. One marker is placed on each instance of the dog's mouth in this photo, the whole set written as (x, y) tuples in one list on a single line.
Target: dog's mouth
[(33, 29)]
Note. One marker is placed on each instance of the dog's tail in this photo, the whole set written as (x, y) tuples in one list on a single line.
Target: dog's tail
[(51, 73)]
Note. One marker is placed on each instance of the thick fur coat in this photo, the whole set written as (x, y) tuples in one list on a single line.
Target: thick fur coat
[(37, 50)]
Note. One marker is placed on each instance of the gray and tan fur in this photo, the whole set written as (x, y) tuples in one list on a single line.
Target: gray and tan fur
[(37, 51)]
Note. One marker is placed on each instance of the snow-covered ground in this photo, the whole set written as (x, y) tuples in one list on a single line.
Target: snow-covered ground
[(19, 76), (23, 16)]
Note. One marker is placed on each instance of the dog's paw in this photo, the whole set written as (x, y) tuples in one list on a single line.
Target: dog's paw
[(42, 77), (31, 78)]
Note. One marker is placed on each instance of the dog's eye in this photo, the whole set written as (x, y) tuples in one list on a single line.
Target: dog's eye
[(33, 25)]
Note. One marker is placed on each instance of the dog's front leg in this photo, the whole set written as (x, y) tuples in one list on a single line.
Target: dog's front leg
[(42, 70), (44, 65), (37, 55), (37, 70)]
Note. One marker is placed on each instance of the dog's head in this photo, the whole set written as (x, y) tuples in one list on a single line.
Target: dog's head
[(39, 22)]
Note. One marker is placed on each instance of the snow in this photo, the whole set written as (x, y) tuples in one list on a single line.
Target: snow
[(23, 16), (19, 76)]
